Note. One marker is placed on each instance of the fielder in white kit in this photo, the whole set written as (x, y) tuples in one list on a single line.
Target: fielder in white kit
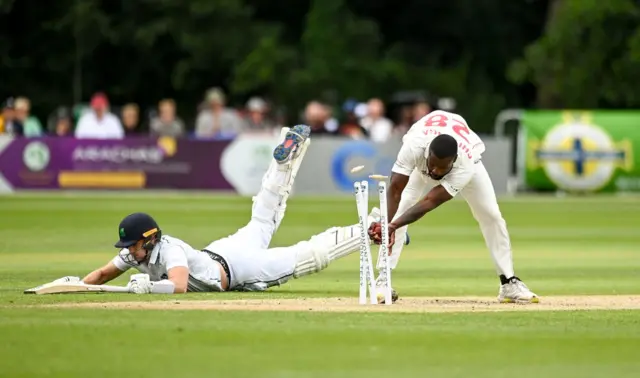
[(441, 156), (240, 262)]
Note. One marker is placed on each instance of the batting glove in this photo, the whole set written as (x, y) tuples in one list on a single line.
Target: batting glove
[(140, 284)]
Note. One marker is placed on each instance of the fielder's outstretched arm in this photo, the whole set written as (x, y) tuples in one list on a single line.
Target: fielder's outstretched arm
[(436, 197), (102, 275), (396, 186)]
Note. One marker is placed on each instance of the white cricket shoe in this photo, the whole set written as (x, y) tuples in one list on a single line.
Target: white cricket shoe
[(515, 291)]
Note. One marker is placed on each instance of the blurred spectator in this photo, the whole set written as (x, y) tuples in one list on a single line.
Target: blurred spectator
[(406, 120), (131, 119), (420, 110), (99, 123), (61, 123), (317, 116), (216, 119), (332, 124), (257, 117), (280, 118), (8, 124), (166, 123), (63, 127), (351, 127), (31, 126), (377, 125)]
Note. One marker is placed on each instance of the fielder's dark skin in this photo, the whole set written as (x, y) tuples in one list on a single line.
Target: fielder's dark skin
[(443, 152)]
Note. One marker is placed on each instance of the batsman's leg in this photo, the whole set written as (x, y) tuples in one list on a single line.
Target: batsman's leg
[(276, 266), (481, 197), (315, 254), (270, 203)]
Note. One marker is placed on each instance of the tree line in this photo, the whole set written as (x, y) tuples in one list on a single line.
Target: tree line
[(486, 54)]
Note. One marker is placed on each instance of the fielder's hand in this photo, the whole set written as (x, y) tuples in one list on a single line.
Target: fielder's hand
[(66, 279), (392, 236), (375, 234), (140, 284)]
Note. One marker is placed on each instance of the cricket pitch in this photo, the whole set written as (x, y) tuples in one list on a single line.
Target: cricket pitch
[(403, 305)]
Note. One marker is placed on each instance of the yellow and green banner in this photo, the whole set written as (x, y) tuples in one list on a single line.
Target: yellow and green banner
[(582, 151)]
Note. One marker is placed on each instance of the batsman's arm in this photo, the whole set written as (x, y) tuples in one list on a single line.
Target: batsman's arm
[(175, 260), (436, 197), (103, 274), (179, 276)]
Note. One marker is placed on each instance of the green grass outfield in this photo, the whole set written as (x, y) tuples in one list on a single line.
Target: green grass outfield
[(569, 247)]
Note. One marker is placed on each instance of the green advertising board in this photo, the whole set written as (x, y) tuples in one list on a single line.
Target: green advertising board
[(582, 151)]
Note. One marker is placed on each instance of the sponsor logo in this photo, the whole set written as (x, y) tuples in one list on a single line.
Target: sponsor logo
[(119, 154), (36, 156), (354, 153)]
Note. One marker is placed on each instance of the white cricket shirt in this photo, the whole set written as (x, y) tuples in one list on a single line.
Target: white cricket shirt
[(415, 149), (170, 252)]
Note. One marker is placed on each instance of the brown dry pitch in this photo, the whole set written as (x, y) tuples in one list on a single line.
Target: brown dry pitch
[(407, 305)]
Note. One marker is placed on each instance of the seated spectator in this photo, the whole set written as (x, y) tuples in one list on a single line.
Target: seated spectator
[(99, 123), (351, 127), (166, 123), (377, 125), (257, 117), (63, 127), (317, 116), (31, 126), (332, 124), (8, 123), (405, 122), (61, 123), (217, 120), (130, 115)]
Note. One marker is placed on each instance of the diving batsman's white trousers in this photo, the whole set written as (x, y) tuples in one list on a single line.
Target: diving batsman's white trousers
[(481, 198), (254, 266)]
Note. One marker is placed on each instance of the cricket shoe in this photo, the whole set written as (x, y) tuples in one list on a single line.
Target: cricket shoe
[(292, 143), (515, 291)]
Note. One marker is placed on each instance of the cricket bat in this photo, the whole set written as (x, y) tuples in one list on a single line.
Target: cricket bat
[(74, 287)]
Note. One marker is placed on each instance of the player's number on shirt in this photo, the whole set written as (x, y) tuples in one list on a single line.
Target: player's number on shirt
[(441, 120)]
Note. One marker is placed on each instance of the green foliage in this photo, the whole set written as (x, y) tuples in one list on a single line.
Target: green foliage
[(5, 6), (293, 51), (588, 56), (338, 51)]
